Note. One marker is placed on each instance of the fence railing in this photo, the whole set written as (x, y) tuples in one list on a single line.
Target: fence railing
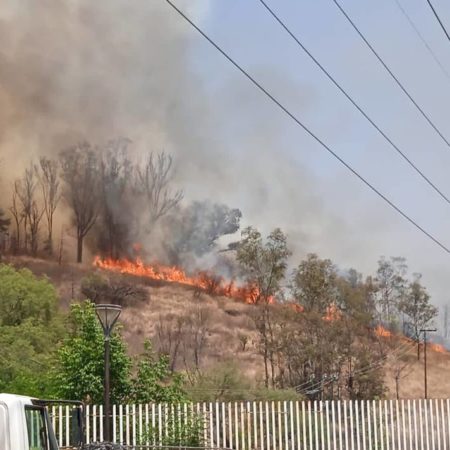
[(285, 425)]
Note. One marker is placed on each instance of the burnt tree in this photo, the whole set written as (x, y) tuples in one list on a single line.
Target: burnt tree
[(116, 173), (80, 172), (48, 176), (152, 183)]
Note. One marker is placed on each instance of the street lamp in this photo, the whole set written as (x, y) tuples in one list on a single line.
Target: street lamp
[(425, 331), (107, 315)]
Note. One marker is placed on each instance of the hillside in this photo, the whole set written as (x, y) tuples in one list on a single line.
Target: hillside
[(222, 327)]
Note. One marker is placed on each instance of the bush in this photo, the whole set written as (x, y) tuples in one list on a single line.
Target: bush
[(181, 428)]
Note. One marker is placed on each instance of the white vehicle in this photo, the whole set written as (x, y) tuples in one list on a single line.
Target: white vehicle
[(25, 423)]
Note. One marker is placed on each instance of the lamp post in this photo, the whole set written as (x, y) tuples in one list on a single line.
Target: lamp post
[(107, 315), (425, 331)]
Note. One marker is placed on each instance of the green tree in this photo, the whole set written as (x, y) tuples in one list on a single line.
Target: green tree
[(391, 284), (30, 329), (154, 381), (417, 307), (264, 265), (25, 297), (313, 284), (78, 371)]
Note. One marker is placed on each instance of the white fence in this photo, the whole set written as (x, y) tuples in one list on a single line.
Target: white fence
[(287, 425)]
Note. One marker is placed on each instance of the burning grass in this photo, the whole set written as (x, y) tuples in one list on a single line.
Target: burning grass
[(203, 280)]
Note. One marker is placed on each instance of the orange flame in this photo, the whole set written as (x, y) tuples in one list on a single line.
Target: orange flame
[(382, 332), (204, 280), (437, 348), (332, 313)]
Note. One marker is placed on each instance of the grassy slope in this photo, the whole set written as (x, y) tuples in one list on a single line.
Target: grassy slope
[(228, 321)]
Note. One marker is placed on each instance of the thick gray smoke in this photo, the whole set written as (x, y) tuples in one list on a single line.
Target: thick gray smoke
[(96, 70)]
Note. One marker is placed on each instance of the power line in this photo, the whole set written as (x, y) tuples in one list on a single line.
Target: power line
[(308, 131), (352, 101), (425, 43), (397, 81), (438, 19)]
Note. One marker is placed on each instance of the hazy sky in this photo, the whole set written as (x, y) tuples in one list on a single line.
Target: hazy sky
[(337, 216)]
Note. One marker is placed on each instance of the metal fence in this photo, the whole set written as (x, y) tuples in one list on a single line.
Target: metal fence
[(286, 425)]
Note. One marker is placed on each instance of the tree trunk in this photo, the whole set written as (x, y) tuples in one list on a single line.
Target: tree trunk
[(79, 248), (396, 387)]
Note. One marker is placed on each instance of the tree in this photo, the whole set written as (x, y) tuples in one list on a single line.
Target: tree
[(313, 284), (116, 174), (417, 307), (48, 176), (30, 329), (78, 371), (18, 218), (5, 222), (78, 368), (25, 192), (264, 266), (195, 229), (152, 183), (80, 172), (391, 283), (154, 381)]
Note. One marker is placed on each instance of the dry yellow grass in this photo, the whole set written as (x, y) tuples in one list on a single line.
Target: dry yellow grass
[(228, 321)]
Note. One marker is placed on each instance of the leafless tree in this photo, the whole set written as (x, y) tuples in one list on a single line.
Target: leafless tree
[(198, 329), (18, 219), (25, 190), (171, 331), (152, 181), (80, 172), (116, 174), (47, 173)]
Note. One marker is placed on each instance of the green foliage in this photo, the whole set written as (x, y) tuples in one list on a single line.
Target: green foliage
[(78, 372), (314, 283), (29, 332), (181, 428), (264, 263), (25, 297), (417, 307), (225, 382), (154, 381)]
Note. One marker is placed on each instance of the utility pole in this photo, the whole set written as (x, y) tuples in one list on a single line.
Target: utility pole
[(425, 331)]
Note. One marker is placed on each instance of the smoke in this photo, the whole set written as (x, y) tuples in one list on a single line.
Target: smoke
[(96, 70)]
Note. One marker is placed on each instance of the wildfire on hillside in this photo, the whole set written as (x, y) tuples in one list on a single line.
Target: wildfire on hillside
[(204, 280), (437, 348), (382, 332)]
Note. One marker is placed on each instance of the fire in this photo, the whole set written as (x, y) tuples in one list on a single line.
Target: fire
[(332, 313), (437, 348), (206, 281), (382, 332)]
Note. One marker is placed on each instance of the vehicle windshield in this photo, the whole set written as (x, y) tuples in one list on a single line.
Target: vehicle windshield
[(38, 429)]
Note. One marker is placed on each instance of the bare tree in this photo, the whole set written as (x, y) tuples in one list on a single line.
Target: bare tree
[(153, 183), (171, 331), (116, 173), (49, 182), (18, 218), (25, 190), (80, 173)]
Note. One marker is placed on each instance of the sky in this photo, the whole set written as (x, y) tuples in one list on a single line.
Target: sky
[(342, 219), (97, 70)]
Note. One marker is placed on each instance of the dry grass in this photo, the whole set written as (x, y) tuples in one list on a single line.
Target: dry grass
[(227, 322)]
